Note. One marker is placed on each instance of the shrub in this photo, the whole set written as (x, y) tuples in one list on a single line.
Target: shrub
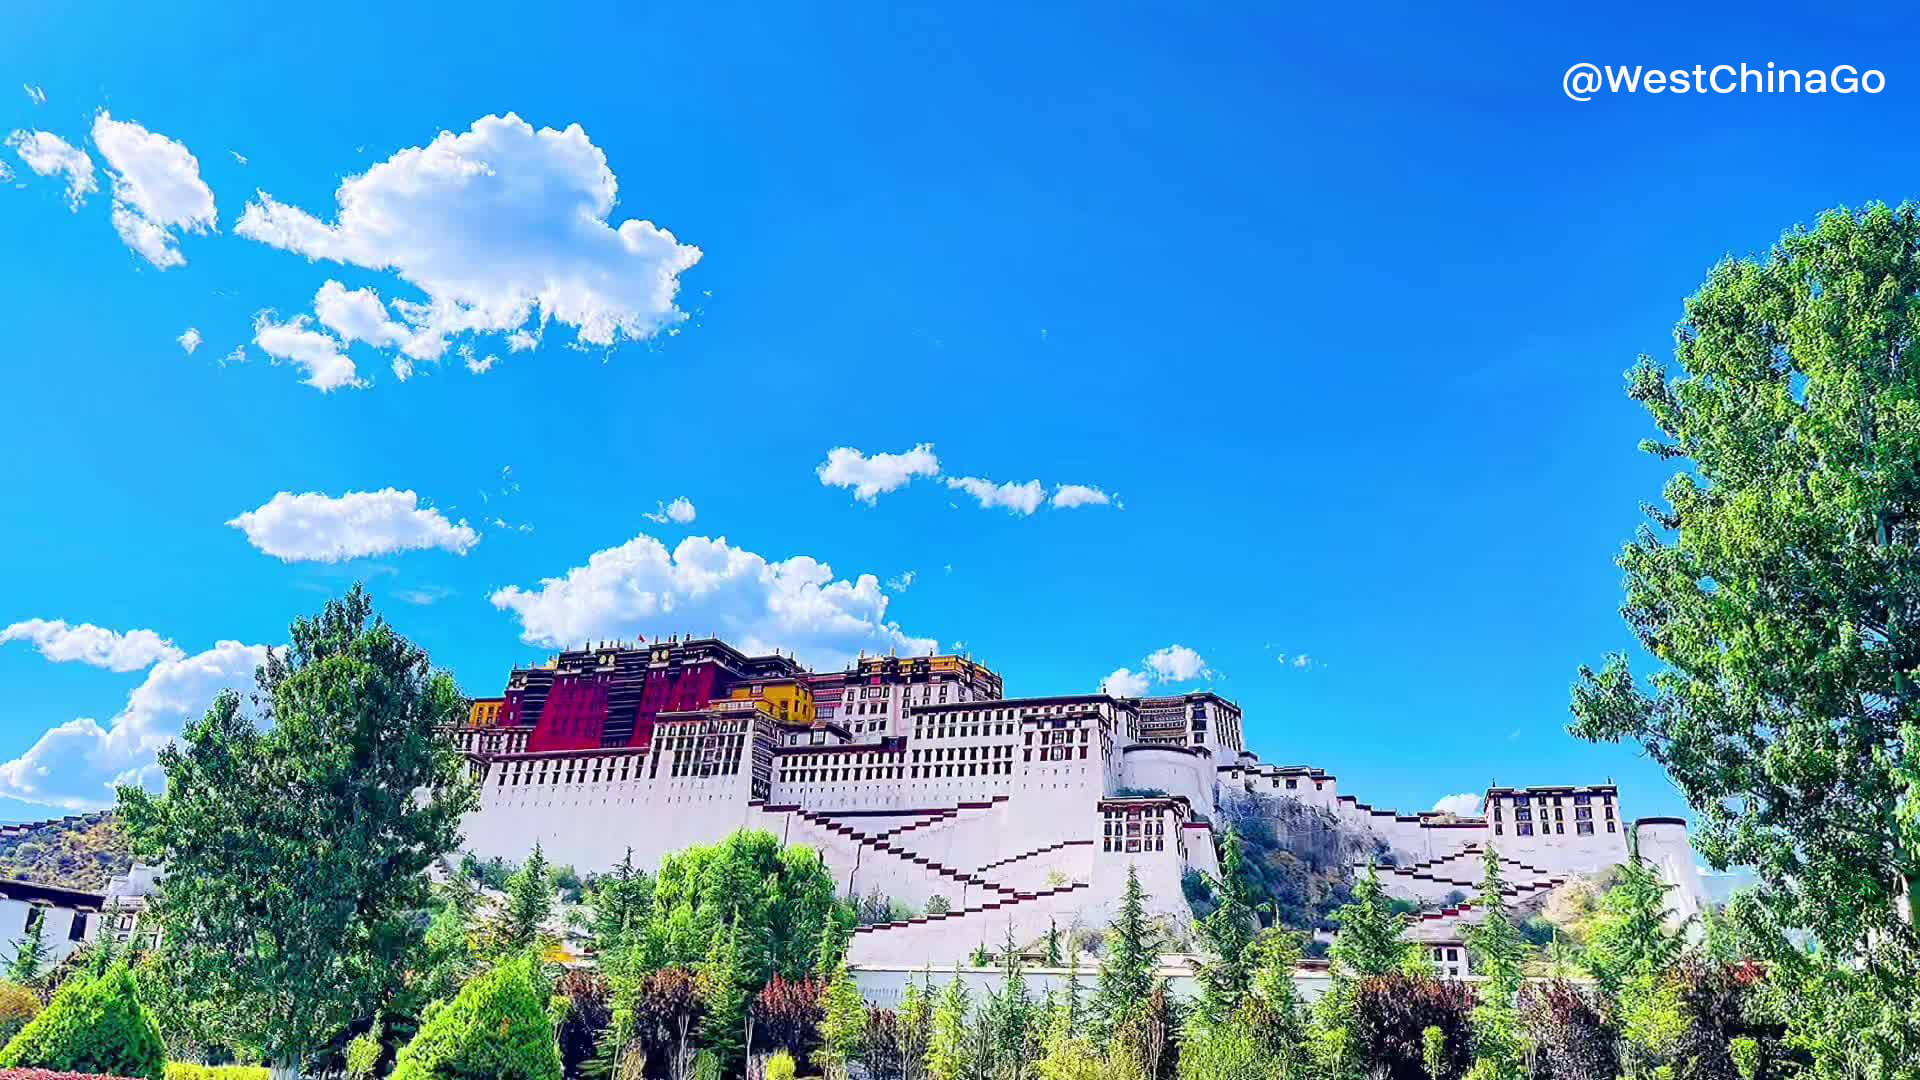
[(1392, 1014), (780, 1066), (586, 1013), (18, 1005), (182, 1070), (497, 1026), (363, 1056), (91, 1025), (1571, 1038)]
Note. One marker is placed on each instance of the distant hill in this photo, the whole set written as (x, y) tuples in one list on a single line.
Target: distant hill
[(77, 852)]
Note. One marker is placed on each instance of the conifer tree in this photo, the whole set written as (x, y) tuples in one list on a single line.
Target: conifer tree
[(843, 1024), (622, 902), (1273, 1008), (916, 1028), (948, 1046), (30, 952), (1628, 937), (1011, 1016), (1370, 940), (496, 1027), (528, 906), (1126, 971), (1499, 955), (1227, 935), (92, 1025), (1054, 957)]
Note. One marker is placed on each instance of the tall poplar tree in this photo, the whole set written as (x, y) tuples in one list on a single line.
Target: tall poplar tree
[(297, 841), (1777, 592)]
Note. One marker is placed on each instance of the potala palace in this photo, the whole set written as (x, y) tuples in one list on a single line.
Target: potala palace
[(917, 778)]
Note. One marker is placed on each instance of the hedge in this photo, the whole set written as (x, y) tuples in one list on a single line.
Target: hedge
[(92, 1025), (183, 1070)]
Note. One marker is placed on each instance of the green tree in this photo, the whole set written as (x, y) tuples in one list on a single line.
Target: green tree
[(1371, 939), (496, 1027), (949, 1048), (1433, 1052), (1227, 935), (1500, 957), (1273, 1008), (622, 902), (1011, 1016), (843, 1024), (1627, 938), (30, 952), (1054, 957), (916, 1028), (1132, 954), (529, 904), (725, 993), (92, 1025), (297, 848), (1778, 593)]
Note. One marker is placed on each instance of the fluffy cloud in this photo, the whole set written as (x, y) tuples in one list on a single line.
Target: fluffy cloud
[(1068, 496), (326, 362), (707, 586), (76, 764), (874, 476), (357, 315), (1125, 683), (46, 154), (1022, 499), (680, 511), (1465, 804), (324, 528), (94, 645), (189, 340), (500, 226), (1177, 663), (157, 190)]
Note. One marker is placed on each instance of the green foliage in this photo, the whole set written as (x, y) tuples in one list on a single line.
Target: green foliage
[(1132, 954), (363, 1055), (1779, 592), (497, 1026), (30, 952), (1213, 1051), (1371, 939), (1628, 939), (950, 1053), (725, 993), (622, 903), (781, 898), (1226, 934), (938, 905), (1011, 1014), (529, 904), (1433, 1052), (182, 1070), (780, 1066), (92, 1025), (843, 1025), (1500, 956), (297, 847)]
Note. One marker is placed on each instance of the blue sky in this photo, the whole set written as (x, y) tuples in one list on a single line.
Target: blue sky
[(1333, 307)]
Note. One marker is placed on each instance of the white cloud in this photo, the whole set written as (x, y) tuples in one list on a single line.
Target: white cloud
[(500, 226), (1068, 496), (877, 475), (1125, 683), (189, 340), (480, 366), (707, 586), (1019, 499), (325, 528), (521, 341), (1177, 663), (46, 154), (327, 365), (1303, 660), (680, 511), (1465, 804), (34, 94), (157, 190), (902, 582), (92, 645), (76, 764), (357, 315)]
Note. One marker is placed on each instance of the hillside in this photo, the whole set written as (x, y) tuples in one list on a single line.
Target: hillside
[(78, 852)]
